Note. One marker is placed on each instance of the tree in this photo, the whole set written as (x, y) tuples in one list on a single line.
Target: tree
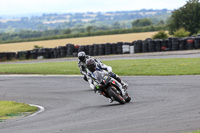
[(116, 25), (89, 29), (181, 33), (161, 22), (141, 22), (67, 31), (161, 35), (187, 17)]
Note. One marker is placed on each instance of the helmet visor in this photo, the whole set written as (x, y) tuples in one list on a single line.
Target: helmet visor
[(91, 67), (82, 58)]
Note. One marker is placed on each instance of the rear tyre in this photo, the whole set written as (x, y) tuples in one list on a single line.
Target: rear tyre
[(116, 96)]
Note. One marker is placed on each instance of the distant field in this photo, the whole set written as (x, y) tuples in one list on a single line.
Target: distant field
[(14, 47)]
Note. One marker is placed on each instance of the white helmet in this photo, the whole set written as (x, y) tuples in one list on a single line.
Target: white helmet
[(82, 56)]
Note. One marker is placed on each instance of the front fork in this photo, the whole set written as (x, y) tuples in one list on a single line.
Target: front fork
[(120, 87)]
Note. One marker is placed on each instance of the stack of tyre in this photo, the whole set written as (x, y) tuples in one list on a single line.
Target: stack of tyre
[(70, 49), (139, 46), (7, 56), (170, 44)]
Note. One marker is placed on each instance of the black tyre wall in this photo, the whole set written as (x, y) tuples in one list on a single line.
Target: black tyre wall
[(157, 45), (107, 48), (138, 46), (119, 47), (197, 42), (81, 49), (70, 49), (190, 43), (96, 49), (170, 43), (114, 48), (62, 51), (175, 44), (151, 46), (87, 49), (182, 44), (91, 50), (145, 46), (164, 43), (102, 49)]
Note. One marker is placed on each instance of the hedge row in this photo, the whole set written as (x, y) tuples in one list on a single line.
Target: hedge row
[(139, 46)]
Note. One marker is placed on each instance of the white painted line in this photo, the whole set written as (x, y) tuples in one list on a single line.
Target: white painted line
[(41, 109), (27, 75)]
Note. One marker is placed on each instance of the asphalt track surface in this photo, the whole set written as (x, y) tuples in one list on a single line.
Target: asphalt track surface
[(160, 104)]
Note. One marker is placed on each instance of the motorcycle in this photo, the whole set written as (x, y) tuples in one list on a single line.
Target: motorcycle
[(111, 88)]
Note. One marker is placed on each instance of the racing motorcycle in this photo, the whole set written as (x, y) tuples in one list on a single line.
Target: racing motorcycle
[(111, 88)]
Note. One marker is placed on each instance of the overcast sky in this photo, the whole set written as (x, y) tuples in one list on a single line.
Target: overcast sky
[(12, 7)]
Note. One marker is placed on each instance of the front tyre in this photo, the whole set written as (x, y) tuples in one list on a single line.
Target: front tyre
[(128, 98), (116, 96)]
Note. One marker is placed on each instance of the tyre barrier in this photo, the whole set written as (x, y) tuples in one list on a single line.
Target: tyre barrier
[(113, 48), (175, 44), (91, 50), (119, 47), (197, 42), (63, 51), (157, 45), (145, 46), (170, 43), (7, 56), (102, 49), (139, 46), (182, 44), (108, 49), (81, 48), (190, 43), (96, 50), (151, 46), (126, 49), (21, 55), (70, 49), (164, 45)]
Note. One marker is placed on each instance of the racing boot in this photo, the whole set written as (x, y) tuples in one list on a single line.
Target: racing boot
[(124, 85), (115, 76), (111, 100)]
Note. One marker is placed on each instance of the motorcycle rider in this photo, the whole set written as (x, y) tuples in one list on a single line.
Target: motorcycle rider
[(83, 68), (95, 66), (81, 64), (92, 66), (100, 66)]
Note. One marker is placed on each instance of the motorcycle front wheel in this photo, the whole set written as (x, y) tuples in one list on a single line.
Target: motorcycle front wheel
[(112, 92)]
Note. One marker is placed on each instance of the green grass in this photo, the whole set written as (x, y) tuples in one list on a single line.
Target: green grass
[(178, 66), (10, 109), (195, 131)]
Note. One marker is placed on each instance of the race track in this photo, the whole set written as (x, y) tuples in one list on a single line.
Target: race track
[(160, 104)]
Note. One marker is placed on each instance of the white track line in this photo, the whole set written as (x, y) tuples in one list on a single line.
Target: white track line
[(30, 75), (37, 112)]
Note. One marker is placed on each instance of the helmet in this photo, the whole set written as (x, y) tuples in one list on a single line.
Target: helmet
[(91, 65), (81, 56)]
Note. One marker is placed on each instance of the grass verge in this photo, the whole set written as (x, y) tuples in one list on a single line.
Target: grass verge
[(177, 66), (10, 109), (195, 131)]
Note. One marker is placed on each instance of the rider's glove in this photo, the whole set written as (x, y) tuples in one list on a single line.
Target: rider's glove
[(98, 88), (109, 69)]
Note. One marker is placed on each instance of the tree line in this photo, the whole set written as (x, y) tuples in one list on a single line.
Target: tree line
[(35, 36), (183, 22)]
